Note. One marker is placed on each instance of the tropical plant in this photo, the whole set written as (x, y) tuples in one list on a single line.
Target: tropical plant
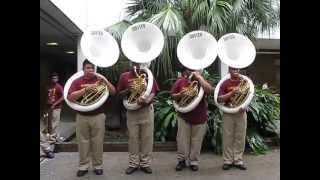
[(113, 72), (165, 117), (177, 17), (213, 138), (263, 115)]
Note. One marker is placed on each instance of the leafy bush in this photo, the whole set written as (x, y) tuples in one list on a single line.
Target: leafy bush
[(263, 118)]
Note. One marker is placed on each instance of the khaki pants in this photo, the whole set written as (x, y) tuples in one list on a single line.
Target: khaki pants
[(140, 127), (189, 140), (44, 145), (55, 121), (90, 135), (234, 137)]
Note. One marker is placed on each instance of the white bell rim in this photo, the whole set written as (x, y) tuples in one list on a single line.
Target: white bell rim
[(236, 50), (76, 106), (142, 42), (243, 105), (135, 106), (194, 103), (197, 50), (99, 47)]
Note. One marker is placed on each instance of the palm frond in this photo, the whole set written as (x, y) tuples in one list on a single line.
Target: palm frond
[(134, 6), (252, 16), (170, 21), (199, 14), (142, 6), (172, 24), (217, 17), (118, 29)]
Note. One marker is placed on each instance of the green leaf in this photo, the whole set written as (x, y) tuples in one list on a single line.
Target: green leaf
[(167, 119), (174, 120), (163, 112)]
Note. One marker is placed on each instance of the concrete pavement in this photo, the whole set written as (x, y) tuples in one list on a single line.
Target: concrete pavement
[(262, 167)]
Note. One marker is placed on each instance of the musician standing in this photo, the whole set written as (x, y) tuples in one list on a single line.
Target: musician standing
[(54, 104), (140, 123), (90, 126), (192, 125), (234, 125)]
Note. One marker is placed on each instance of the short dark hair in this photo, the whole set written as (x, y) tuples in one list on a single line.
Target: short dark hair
[(232, 68), (85, 62), (54, 74)]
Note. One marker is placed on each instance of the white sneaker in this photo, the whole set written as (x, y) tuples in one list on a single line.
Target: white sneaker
[(61, 139)]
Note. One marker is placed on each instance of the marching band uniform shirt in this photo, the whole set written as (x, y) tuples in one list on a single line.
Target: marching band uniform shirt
[(77, 85), (55, 92), (198, 115), (227, 86), (127, 76)]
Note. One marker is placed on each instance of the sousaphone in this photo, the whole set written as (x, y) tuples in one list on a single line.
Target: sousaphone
[(101, 49), (196, 51), (141, 43), (236, 51)]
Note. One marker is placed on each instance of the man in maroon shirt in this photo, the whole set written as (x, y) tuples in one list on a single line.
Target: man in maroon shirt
[(234, 125), (54, 103), (192, 125), (140, 124), (90, 126)]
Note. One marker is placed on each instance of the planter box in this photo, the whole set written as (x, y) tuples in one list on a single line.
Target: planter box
[(116, 147)]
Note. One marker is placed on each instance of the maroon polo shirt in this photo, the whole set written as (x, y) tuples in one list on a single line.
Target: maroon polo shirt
[(123, 82), (227, 86), (78, 85), (198, 115), (55, 92)]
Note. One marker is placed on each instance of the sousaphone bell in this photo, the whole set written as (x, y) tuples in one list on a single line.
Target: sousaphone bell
[(141, 43), (236, 51), (196, 51), (102, 50)]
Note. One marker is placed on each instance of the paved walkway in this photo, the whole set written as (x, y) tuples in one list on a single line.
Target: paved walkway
[(262, 167)]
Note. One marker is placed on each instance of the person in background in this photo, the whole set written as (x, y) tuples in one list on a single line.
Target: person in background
[(54, 105)]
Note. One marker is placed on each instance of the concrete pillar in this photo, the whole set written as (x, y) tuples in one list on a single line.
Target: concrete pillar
[(223, 68), (81, 57)]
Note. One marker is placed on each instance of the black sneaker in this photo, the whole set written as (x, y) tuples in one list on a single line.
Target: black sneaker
[(147, 170), (194, 167), (240, 166), (130, 170), (81, 173), (98, 171), (226, 166), (50, 155), (181, 165)]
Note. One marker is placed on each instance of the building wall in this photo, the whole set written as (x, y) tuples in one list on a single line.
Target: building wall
[(266, 68)]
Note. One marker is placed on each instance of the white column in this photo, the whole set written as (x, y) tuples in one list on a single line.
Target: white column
[(223, 68), (80, 56)]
